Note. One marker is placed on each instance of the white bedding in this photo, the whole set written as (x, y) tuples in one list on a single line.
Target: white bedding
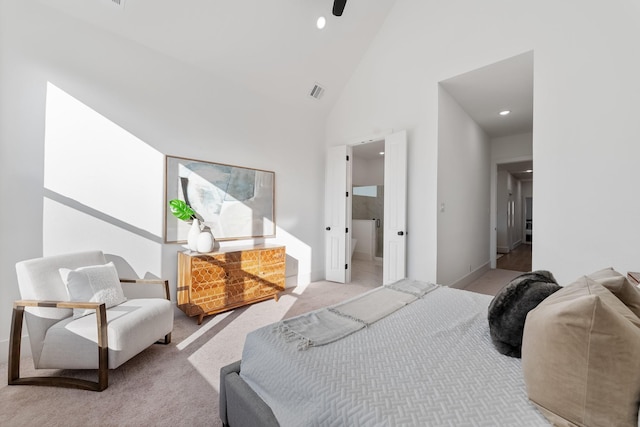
[(431, 363)]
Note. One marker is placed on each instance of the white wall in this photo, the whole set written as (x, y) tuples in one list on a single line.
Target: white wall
[(586, 101), (108, 192), (367, 172), (510, 148), (516, 225), (463, 192), (508, 212), (502, 213), (527, 191)]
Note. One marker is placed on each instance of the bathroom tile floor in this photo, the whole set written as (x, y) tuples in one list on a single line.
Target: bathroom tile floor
[(366, 272)]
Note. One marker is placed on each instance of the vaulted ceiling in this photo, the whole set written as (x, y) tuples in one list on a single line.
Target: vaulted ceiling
[(273, 47), (270, 46)]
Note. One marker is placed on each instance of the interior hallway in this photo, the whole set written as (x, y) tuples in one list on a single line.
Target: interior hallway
[(518, 259), (492, 281)]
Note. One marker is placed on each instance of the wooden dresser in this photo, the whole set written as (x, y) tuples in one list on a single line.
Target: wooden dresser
[(231, 277)]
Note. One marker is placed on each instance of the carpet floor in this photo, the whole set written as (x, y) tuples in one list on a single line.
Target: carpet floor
[(165, 385), (178, 384)]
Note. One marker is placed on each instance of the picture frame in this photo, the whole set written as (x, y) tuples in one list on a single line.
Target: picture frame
[(235, 202)]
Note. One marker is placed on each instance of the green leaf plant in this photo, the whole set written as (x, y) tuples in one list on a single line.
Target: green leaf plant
[(181, 210)]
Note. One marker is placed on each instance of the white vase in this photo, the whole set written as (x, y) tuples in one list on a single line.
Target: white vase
[(205, 241), (192, 236)]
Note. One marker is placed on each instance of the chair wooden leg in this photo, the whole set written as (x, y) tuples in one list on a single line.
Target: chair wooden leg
[(54, 381), (14, 344), (103, 349)]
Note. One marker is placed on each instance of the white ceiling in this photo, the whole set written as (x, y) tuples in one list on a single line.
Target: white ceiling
[(519, 170), (505, 85), (369, 150), (271, 46)]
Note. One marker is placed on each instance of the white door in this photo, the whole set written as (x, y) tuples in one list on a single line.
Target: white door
[(395, 207), (337, 213)]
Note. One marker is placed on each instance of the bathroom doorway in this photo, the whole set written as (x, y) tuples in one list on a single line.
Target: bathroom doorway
[(338, 207), (367, 244)]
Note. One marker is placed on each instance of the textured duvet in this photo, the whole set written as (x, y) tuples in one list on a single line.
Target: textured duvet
[(430, 363)]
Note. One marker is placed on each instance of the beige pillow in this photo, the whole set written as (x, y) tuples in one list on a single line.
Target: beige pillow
[(620, 286), (581, 357)]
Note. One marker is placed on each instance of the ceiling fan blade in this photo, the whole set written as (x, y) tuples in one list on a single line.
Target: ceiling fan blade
[(338, 7)]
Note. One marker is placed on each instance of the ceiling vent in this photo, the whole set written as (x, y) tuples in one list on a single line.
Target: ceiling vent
[(317, 91), (117, 3)]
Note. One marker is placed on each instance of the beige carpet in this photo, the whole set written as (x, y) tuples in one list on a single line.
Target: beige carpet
[(174, 385), (178, 384)]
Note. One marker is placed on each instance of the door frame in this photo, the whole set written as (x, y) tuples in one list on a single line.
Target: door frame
[(493, 204), (381, 136)]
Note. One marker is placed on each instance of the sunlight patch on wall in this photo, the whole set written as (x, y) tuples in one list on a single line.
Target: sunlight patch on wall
[(68, 229), (301, 253), (96, 163)]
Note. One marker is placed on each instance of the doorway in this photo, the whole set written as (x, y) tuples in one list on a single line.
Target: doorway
[(367, 213), (485, 118), (338, 218), (519, 259), (514, 215)]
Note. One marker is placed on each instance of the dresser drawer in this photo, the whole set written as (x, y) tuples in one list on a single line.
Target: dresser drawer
[(215, 282)]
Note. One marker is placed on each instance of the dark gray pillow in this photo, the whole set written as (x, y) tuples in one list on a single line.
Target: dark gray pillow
[(509, 308)]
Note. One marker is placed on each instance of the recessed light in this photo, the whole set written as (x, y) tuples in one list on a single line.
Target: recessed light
[(321, 22), (504, 112), (529, 170), (382, 153)]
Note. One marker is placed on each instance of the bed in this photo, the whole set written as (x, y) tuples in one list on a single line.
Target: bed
[(427, 362)]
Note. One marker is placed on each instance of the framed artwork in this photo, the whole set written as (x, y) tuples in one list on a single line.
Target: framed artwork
[(234, 202)]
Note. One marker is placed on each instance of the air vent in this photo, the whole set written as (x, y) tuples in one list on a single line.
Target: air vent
[(317, 91), (117, 3)]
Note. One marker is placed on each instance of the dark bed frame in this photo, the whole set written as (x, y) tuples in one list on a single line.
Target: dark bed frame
[(240, 406)]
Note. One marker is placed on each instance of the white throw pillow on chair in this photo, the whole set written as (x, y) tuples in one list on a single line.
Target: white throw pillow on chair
[(96, 283)]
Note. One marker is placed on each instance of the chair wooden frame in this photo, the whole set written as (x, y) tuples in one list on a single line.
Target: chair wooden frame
[(103, 346)]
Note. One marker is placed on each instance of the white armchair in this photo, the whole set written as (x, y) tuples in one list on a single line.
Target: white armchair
[(61, 333)]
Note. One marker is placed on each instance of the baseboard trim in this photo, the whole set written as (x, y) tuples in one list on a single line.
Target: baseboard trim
[(471, 277), (297, 279)]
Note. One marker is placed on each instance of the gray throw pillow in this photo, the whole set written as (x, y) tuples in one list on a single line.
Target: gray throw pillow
[(509, 308)]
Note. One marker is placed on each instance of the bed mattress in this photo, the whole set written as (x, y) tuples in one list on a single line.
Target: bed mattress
[(430, 363)]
